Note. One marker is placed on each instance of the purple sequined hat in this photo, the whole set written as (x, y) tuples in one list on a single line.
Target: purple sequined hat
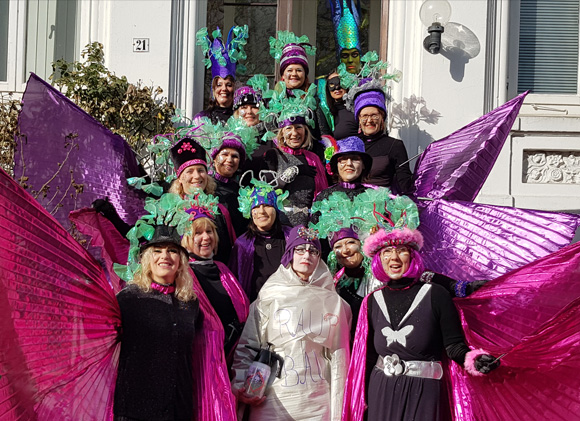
[(185, 153), (333, 237), (297, 236), (351, 146), (216, 68), (292, 120), (246, 96), (262, 196), (293, 54), (233, 141), (370, 98)]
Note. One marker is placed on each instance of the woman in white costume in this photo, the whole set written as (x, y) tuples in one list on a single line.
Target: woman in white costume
[(308, 324)]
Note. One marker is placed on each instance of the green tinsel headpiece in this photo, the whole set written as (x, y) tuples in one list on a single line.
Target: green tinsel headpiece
[(371, 77), (367, 210), (223, 58), (258, 193), (286, 109), (170, 210), (289, 49)]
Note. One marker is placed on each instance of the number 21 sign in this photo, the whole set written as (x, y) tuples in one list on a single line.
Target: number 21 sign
[(140, 45)]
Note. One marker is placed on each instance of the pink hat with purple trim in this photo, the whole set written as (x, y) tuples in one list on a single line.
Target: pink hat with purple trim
[(397, 237)]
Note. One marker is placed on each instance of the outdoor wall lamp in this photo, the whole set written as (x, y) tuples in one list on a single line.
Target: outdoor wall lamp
[(434, 14)]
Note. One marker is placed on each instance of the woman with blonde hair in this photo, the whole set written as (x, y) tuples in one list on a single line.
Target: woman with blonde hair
[(217, 281), (159, 319)]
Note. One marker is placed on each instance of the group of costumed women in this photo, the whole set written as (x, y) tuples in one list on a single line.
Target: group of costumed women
[(251, 250)]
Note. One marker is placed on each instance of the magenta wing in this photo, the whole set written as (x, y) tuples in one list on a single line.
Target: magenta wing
[(533, 316), (58, 318)]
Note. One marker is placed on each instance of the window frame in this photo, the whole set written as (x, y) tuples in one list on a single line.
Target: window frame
[(543, 101)]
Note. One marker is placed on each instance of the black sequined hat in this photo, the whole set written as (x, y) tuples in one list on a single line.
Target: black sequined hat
[(185, 153)]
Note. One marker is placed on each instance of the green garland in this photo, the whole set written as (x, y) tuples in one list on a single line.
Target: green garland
[(170, 209), (284, 38)]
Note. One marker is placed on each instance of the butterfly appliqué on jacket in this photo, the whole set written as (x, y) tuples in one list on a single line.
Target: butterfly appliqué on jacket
[(399, 336)]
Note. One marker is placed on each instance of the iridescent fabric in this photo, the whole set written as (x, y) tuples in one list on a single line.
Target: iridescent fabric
[(456, 167), (472, 241), (532, 315), (59, 320), (100, 162), (346, 20)]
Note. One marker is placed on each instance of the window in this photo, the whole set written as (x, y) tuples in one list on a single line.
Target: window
[(548, 46), (4, 21)]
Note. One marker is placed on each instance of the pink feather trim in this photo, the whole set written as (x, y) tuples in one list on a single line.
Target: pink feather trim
[(470, 358), (382, 239)]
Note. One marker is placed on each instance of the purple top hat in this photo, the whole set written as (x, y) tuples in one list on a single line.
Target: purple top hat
[(351, 146), (233, 141), (246, 96), (293, 54), (370, 98), (185, 153), (299, 235)]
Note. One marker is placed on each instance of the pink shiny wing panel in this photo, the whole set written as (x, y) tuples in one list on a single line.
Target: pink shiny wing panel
[(456, 167), (470, 241), (533, 315), (58, 318)]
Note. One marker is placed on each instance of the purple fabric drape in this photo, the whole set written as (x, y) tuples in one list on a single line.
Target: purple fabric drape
[(531, 314), (471, 241), (456, 167), (98, 160)]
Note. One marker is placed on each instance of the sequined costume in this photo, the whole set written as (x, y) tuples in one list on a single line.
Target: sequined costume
[(308, 324), (303, 189), (157, 333)]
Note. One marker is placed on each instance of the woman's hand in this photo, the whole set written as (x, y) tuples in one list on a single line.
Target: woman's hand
[(249, 400)]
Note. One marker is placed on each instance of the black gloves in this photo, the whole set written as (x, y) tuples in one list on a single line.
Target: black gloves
[(464, 288), (485, 363)]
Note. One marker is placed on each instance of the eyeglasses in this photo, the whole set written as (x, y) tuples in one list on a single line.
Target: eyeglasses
[(389, 252), (302, 250), (343, 161), (373, 117)]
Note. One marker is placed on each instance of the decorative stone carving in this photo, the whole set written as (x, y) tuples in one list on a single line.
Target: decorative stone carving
[(551, 167)]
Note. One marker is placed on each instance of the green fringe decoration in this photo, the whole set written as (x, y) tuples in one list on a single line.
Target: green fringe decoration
[(284, 38)]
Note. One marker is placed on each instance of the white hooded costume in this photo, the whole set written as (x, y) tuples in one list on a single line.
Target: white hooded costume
[(308, 324)]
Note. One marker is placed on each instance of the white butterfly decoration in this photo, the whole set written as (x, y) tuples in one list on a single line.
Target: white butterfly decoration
[(399, 336)]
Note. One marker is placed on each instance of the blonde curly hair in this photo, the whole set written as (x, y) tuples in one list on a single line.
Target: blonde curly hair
[(183, 280)]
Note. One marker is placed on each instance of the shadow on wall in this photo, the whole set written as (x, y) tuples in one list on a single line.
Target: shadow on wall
[(406, 118), (459, 45)]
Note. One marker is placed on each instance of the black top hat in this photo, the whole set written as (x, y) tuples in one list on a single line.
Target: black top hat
[(164, 234)]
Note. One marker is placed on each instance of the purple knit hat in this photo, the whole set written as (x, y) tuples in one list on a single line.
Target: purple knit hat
[(185, 153), (370, 98), (233, 141), (341, 234), (293, 54), (352, 145), (246, 96), (296, 237)]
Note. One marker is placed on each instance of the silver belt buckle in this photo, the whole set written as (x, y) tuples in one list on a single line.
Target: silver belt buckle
[(392, 365)]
